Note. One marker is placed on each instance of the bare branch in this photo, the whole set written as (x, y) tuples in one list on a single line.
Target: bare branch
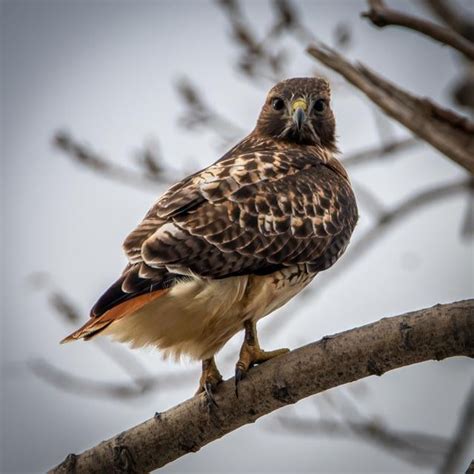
[(368, 200), (83, 386), (444, 129), (77, 385), (393, 216), (447, 14), (151, 176), (68, 311), (377, 152), (463, 438), (151, 161), (199, 114), (429, 334), (256, 60), (382, 16), (415, 448)]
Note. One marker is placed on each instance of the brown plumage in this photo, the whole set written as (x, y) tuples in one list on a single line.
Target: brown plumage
[(234, 241)]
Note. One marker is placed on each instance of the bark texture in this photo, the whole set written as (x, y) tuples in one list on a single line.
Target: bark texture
[(428, 334)]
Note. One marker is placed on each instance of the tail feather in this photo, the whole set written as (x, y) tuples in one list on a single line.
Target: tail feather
[(95, 325)]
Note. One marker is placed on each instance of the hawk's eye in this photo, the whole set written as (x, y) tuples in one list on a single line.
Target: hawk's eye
[(319, 105), (278, 103)]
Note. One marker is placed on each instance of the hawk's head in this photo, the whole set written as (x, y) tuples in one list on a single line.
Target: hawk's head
[(298, 110)]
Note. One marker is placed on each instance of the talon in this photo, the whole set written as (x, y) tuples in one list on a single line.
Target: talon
[(239, 375), (251, 354), (209, 394), (210, 378)]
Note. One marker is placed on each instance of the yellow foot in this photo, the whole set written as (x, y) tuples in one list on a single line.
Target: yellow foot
[(251, 354), (210, 379)]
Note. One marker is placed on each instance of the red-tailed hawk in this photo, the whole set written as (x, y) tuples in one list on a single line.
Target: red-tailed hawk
[(229, 244)]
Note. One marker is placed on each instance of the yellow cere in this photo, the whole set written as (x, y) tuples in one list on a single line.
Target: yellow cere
[(299, 103)]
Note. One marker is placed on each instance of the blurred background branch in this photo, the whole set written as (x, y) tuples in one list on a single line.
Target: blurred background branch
[(446, 12), (463, 439), (444, 129), (381, 16), (151, 170), (142, 381)]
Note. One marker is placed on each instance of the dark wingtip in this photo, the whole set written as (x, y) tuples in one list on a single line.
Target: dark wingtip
[(111, 297)]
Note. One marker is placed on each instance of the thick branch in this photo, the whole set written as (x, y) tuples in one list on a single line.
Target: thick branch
[(447, 131), (433, 333), (382, 16)]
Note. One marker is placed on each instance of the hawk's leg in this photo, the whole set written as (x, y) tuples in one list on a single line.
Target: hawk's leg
[(251, 354), (210, 378)]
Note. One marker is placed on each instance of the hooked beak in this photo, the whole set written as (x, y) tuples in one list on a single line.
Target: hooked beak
[(298, 108)]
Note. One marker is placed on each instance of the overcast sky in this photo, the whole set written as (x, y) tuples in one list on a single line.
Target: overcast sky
[(105, 71)]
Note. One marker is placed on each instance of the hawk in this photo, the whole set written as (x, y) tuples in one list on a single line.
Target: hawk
[(233, 242)]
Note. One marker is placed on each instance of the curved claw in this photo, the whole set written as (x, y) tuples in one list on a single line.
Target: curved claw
[(239, 375), (251, 353), (210, 379), (208, 390)]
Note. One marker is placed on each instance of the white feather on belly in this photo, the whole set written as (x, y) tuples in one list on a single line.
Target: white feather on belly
[(198, 316)]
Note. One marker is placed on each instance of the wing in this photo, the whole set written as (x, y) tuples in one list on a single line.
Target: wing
[(253, 213)]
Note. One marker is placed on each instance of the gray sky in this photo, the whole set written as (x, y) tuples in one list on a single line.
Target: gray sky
[(105, 72)]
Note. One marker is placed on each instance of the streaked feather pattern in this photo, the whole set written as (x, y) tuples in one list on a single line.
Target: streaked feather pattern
[(259, 208)]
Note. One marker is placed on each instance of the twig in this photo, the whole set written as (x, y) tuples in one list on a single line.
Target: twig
[(368, 200), (447, 131), (148, 179), (68, 311), (255, 58), (200, 114), (463, 438), (82, 386), (77, 385), (448, 15), (415, 448), (393, 216), (382, 16), (371, 154), (433, 333)]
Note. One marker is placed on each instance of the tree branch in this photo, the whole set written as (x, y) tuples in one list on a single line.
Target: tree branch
[(434, 333), (419, 449), (149, 178), (463, 438), (382, 16), (452, 17), (379, 152), (450, 133)]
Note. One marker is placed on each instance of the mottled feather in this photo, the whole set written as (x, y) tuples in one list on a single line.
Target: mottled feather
[(260, 207)]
